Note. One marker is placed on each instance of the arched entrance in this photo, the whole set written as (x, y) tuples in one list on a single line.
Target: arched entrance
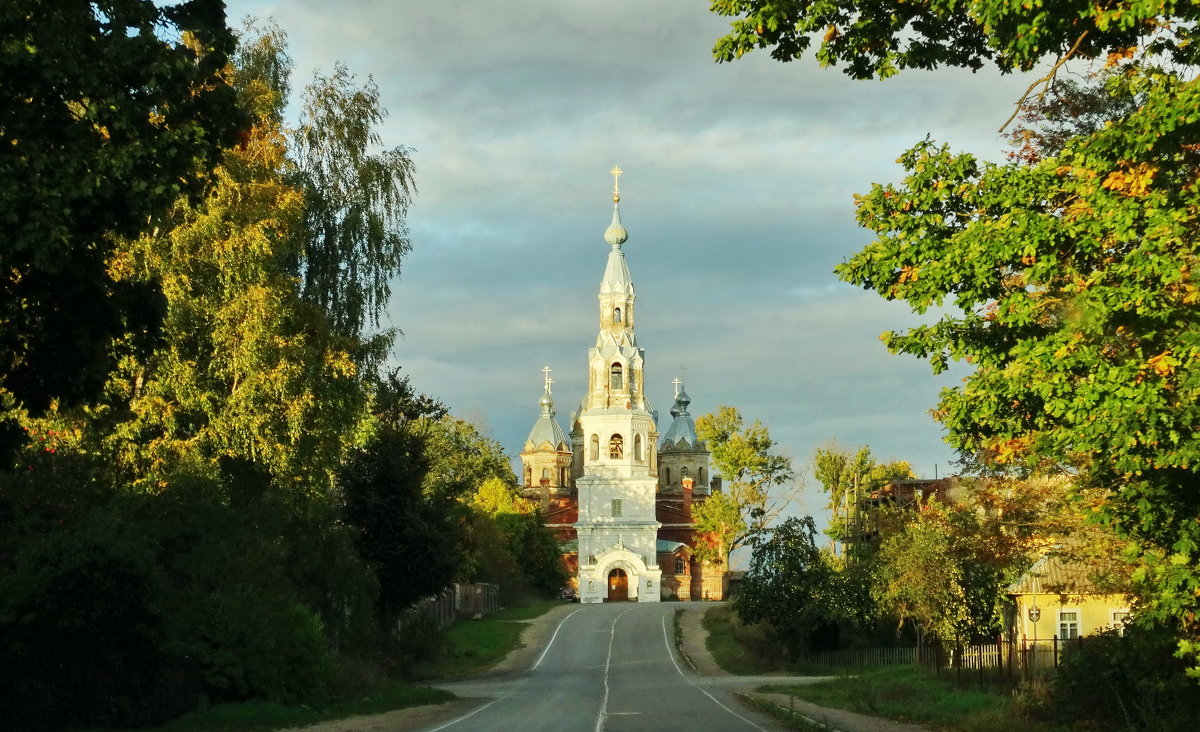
[(618, 586)]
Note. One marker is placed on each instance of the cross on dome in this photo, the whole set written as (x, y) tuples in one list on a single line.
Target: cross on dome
[(616, 174), (677, 383), (546, 370)]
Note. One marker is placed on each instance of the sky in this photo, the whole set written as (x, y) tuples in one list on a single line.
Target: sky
[(737, 195)]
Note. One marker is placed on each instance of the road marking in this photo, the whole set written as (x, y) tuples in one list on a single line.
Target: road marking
[(560, 625), (453, 722), (671, 653), (612, 634), (470, 714)]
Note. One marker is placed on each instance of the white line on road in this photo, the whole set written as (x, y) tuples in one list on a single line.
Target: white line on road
[(612, 634), (560, 625), (671, 653)]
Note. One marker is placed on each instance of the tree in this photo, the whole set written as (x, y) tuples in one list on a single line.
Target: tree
[(356, 202), (848, 479), (1071, 279), (790, 587), (744, 458), (108, 113), (880, 39)]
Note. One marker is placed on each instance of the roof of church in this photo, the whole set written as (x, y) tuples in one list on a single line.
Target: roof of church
[(662, 546), (546, 428), (682, 428)]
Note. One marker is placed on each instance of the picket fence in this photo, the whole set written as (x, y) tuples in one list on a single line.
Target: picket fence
[(1003, 659)]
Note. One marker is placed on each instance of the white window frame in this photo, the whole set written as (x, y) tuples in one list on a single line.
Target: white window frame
[(1064, 625)]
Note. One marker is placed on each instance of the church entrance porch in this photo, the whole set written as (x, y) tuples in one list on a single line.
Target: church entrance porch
[(618, 586)]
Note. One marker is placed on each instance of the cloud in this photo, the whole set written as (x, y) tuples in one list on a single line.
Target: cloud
[(737, 195)]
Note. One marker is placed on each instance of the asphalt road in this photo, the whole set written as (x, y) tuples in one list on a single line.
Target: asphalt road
[(608, 667)]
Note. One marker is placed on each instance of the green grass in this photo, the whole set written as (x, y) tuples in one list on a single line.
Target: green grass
[(742, 650), (472, 646), (914, 695), (260, 715)]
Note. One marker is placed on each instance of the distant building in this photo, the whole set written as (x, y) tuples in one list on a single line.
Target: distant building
[(620, 502), (1058, 598)]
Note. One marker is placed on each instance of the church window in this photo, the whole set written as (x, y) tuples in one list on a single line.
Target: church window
[(528, 476), (545, 473), (680, 566), (701, 476), (615, 379), (562, 476), (637, 447), (683, 472), (616, 508), (594, 454), (616, 315), (616, 447), (667, 476)]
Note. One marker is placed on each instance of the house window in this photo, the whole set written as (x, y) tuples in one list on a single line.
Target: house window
[(680, 566), (616, 507), (1068, 624), (594, 453), (615, 380), (1120, 618), (616, 447), (616, 315), (637, 447)]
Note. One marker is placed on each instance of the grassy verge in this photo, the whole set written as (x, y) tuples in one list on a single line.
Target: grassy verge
[(913, 695), (472, 646), (259, 715), (740, 649)]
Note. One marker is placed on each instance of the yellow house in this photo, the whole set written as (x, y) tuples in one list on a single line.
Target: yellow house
[(1056, 598)]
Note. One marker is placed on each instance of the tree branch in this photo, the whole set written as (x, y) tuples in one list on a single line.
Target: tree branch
[(1049, 77)]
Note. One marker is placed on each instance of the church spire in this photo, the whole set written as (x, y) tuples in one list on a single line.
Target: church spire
[(615, 234)]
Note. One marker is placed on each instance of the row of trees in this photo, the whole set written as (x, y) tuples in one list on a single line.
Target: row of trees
[(1069, 273), (213, 491)]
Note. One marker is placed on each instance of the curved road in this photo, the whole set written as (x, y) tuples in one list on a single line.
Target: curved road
[(608, 667)]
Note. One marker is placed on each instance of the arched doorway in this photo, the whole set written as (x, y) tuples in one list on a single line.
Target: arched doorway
[(618, 586)]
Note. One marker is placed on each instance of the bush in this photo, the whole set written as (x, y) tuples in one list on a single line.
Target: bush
[(1131, 681)]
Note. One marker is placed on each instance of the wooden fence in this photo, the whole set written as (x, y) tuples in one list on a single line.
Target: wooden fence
[(454, 602), (1001, 660)]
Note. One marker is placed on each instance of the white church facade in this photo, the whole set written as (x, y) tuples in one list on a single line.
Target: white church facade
[(619, 500)]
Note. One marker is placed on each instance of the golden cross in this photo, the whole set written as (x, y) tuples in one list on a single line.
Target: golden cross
[(549, 381), (616, 174)]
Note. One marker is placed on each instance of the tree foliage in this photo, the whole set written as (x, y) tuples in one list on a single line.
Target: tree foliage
[(1069, 275), (880, 39), (757, 482), (848, 479), (108, 113)]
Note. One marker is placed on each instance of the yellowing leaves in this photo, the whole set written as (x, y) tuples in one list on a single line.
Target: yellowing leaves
[(1163, 364), (1133, 181), (909, 273), (1119, 55)]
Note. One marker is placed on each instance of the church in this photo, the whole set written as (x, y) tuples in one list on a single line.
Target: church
[(618, 497)]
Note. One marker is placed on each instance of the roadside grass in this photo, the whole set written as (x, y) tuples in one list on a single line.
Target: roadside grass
[(909, 694), (472, 646), (742, 650), (262, 715)]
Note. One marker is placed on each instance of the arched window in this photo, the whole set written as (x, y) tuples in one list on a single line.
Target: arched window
[(616, 447), (637, 447), (666, 476), (562, 476), (683, 473), (702, 476), (528, 476), (615, 381), (680, 566), (616, 315), (594, 453), (545, 473)]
